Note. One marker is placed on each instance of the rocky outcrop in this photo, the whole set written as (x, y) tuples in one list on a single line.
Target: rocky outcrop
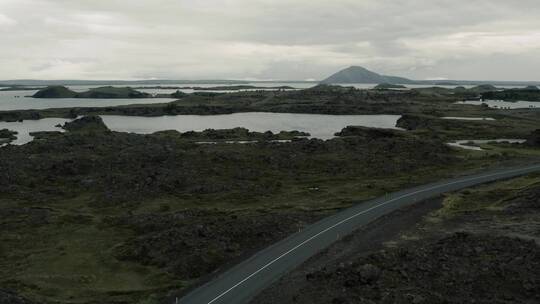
[(369, 133), (86, 124), (7, 136), (413, 122), (239, 134)]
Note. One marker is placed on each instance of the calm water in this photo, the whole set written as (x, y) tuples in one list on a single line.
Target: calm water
[(29, 126), (468, 144), (499, 104), (16, 100), (319, 126)]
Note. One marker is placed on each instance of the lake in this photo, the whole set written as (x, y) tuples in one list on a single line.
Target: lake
[(469, 144), (319, 126)]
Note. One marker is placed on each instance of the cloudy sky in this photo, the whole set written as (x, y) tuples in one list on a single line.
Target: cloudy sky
[(268, 39)]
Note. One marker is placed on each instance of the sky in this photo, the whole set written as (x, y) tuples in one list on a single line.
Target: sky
[(268, 39)]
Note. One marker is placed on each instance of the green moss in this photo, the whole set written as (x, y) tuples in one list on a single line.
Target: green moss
[(487, 197)]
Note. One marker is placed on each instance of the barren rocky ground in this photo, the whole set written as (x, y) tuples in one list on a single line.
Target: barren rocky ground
[(480, 246)]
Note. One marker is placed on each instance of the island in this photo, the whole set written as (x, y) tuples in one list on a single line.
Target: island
[(108, 92)]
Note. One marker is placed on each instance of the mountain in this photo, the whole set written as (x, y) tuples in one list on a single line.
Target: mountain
[(356, 74)]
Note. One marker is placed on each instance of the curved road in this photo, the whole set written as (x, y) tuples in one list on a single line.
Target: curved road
[(241, 283)]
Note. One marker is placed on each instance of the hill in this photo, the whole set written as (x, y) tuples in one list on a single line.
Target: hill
[(55, 92), (356, 74), (113, 92)]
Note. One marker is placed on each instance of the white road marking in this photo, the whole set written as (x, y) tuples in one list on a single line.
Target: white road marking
[(354, 216)]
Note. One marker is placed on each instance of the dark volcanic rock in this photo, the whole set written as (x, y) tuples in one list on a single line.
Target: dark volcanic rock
[(102, 92), (7, 297), (462, 268), (388, 86), (194, 243), (369, 133), (413, 122), (7, 135), (528, 94), (86, 124), (113, 92), (526, 202), (534, 139), (46, 134)]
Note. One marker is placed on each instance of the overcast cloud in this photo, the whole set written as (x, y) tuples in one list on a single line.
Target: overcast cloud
[(268, 39)]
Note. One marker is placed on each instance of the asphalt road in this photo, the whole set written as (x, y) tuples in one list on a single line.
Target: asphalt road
[(241, 283)]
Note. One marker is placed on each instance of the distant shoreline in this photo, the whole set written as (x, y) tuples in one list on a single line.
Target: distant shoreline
[(27, 82)]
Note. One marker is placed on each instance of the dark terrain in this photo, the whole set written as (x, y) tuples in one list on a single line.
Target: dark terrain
[(7, 136), (530, 93), (482, 246), (95, 216), (103, 216)]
